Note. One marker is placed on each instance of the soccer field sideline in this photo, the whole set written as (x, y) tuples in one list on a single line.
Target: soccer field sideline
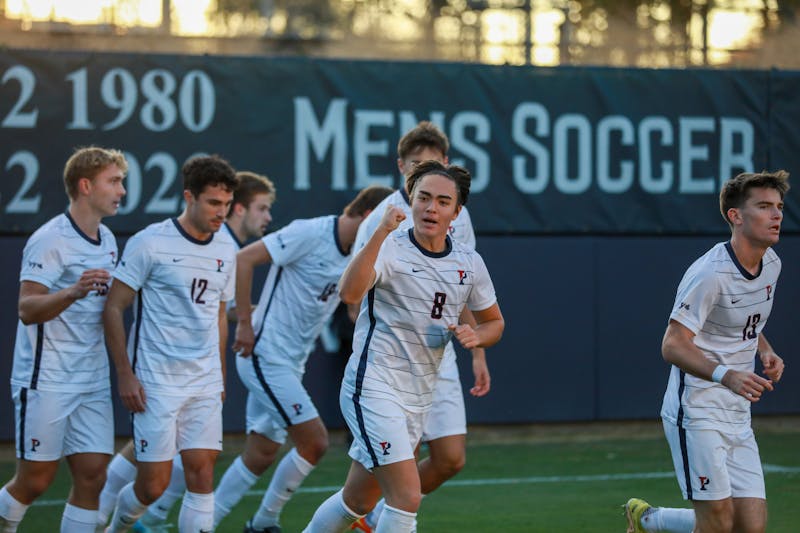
[(768, 469)]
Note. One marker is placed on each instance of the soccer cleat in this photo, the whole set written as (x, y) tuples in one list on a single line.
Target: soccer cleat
[(248, 528), (361, 525), (634, 509)]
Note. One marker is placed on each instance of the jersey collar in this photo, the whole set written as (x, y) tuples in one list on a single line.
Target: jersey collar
[(96, 241), (448, 245), (189, 237), (742, 270)]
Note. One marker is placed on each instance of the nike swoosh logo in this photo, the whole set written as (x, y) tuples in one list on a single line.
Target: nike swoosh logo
[(417, 269), (174, 260), (735, 301)]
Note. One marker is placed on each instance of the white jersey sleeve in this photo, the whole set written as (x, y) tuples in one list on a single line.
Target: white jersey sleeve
[(697, 294), (135, 263), (289, 243)]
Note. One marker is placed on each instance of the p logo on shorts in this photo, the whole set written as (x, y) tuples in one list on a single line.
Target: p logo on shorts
[(703, 482), (385, 447), (34, 444), (142, 445)]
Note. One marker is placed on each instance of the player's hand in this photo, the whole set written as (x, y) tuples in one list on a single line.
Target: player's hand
[(746, 384), (131, 393), (95, 279), (466, 336), (392, 218), (773, 366), (244, 339), (483, 381)]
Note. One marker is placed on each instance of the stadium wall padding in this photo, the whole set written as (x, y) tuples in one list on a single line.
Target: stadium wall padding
[(584, 321)]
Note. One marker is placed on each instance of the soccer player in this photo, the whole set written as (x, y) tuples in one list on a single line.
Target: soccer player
[(446, 425), (60, 377), (715, 332), (180, 272), (413, 286), (299, 296), (247, 219)]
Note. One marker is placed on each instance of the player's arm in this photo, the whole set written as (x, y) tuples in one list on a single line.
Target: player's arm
[(480, 369), (678, 348), (120, 297), (773, 365), (359, 275), (489, 328), (246, 261), (37, 304), (223, 342)]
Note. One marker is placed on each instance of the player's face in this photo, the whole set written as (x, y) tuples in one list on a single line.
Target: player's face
[(207, 211), (434, 206), (759, 220), (257, 216), (106, 190), (425, 153)]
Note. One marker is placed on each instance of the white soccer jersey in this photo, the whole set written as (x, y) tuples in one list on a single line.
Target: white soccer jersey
[(401, 329), (726, 307), (461, 229), (67, 353), (174, 340), (299, 295)]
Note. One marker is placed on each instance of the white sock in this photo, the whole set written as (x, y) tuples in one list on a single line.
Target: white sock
[(375, 515), (197, 513), (668, 520), (11, 512), (236, 480), (119, 473), (396, 521), (128, 510), (332, 516), (288, 476), (78, 520), (158, 511)]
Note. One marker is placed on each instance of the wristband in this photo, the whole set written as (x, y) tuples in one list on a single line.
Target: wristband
[(719, 372)]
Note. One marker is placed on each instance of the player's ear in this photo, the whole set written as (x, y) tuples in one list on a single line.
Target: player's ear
[(84, 186), (188, 197), (734, 215)]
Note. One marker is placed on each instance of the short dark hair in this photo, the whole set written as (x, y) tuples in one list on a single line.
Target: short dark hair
[(210, 170), (736, 190), (251, 184), (367, 200), (426, 134), (460, 176), (88, 162)]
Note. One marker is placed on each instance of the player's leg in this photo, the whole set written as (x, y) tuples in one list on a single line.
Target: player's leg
[(31, 480), (258, 454), (311, 441), (121, 471), (447, 458), (152, 477), (158, 511), (713, 516), (400, 485), (335, 514), (200, 441), (749, 515), (643, 517), (88, 477)]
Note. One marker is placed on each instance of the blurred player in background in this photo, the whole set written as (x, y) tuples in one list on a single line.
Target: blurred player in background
[(299, 296), (60, 378)]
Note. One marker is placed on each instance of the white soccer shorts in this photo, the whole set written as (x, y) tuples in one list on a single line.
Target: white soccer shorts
[(447, 416), (50, 425), (170, 424), (276, 398), (711, 465)]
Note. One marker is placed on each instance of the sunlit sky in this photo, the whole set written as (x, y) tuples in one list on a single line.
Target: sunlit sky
[(502, 30)]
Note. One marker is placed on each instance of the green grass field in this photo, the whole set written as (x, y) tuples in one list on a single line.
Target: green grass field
[(557, 478)]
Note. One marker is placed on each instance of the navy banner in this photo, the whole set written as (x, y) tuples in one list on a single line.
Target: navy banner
[(552, 150)]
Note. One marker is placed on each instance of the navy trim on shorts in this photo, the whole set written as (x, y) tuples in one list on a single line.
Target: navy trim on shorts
[(269, 304), (137, 332), (23, 408), (362, 369), (682, 437), (269, 392), (37, 358)]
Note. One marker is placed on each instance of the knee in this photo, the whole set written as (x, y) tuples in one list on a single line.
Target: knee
[(90, 481), (449, 464), (149, 490), (406, 499), (258, 459), (28, 488), (718, 520), (313, 450)]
